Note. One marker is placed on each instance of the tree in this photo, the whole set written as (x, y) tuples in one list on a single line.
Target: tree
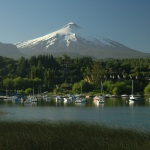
[(82, 86), (28, 91), (108, 86), (115, 90), (23, 67), (97, 73), (76, 88), (147, 89), (8, 83), (33, 61), (18, 83), (33, 72), (36, 83), (49, 78), (27, 83), (87, 86)]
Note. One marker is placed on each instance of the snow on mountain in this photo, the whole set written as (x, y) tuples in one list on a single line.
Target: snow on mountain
[(68, 33), (74, 39)]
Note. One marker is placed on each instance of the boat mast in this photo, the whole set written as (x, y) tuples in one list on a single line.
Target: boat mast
[(101, 87), (81, 88), (132, 87), (6, 92), (33, 91)]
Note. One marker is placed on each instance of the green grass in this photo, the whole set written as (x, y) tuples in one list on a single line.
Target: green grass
[(69, 136)]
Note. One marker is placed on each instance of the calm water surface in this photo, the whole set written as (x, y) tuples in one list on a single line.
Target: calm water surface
[(114, 112)]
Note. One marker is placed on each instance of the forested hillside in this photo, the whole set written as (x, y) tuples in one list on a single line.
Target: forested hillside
[(66, 75)]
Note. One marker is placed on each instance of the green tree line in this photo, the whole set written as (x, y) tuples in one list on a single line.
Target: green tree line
[(66, 74)]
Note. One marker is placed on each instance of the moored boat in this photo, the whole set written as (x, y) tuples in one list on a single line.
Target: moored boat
[(124, 95), (132, 97), (80, 100), (99, 99)]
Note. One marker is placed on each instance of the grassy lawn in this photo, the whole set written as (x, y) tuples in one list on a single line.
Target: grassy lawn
[(69, 136)]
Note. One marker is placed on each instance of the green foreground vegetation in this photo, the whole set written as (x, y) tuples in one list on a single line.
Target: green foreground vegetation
[(69, 136)]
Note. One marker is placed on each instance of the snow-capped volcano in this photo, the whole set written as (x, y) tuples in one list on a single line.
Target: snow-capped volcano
[(72, 39), (69, 34)]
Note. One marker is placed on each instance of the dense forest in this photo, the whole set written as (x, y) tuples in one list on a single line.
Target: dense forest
[(67, 75)]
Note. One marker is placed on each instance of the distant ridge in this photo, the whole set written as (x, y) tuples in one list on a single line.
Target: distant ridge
[(9, 50)]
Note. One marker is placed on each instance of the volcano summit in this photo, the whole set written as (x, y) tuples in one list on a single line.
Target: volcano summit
[(75, 41)]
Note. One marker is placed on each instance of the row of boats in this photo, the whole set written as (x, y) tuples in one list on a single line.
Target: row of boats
[(34, 98), (66, 99), (101, 99), (96, 99), (77, 99), (132, 98), (20, 98)]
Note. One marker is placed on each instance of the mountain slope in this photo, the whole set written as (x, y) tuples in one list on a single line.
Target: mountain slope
[(74, 40), (9, 50)]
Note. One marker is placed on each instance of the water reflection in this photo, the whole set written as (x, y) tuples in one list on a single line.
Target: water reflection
[(118, 112), (109, 102)]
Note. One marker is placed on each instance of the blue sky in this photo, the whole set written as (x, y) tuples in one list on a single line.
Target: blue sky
[(125, 21)]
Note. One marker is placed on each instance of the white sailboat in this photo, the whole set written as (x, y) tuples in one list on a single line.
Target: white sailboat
[(31, 99), (132, 98), (101, 98), (80, 98), (6, 97)]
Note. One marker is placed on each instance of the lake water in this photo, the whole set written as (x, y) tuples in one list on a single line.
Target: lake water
[(114, 112)]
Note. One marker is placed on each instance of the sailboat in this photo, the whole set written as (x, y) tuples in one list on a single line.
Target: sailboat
[(31, 99), (6, 97), (101, 98), (132, 98), (80, 98)]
